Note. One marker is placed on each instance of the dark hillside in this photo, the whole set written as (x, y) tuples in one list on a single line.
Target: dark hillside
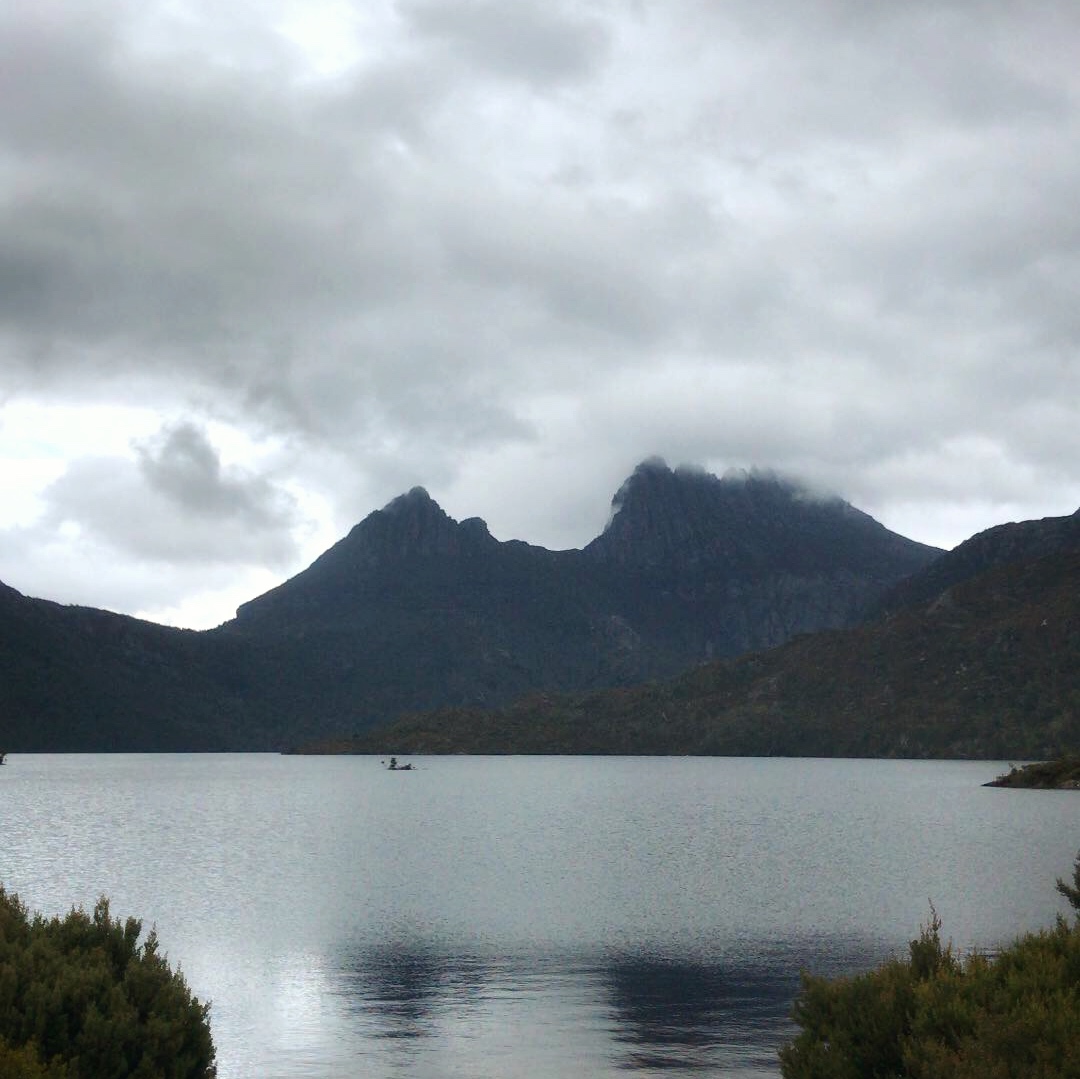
[(76, 678), (989, 669), (1020, 541)]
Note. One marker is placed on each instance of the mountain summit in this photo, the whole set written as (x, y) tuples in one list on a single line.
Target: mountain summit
[(672, 520), (410, 543)]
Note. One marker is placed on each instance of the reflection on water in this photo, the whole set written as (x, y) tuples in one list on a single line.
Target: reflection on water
[(645, 1012), (696, 1016), (398, 990), (395, 989), (523, 917)]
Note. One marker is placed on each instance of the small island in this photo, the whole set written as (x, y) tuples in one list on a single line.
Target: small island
[(1060, 774)]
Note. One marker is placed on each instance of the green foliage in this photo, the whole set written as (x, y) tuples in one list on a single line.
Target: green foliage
[(935, 1016), (80, 998), (25, 1063), (855, 1028), (1072, 891)]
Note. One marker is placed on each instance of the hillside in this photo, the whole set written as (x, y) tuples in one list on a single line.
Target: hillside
[(1021, 541), (76, 678), (989, 668)]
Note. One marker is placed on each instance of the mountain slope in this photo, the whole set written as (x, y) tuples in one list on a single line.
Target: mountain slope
[(79, 679), (1021, 541), (990, 668)]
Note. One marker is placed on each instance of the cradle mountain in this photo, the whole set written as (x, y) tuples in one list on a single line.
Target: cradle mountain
[(413, 611)]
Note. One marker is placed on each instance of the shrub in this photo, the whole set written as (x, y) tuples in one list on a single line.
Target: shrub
[(81, 998), (933, 1016), (855, 1027)]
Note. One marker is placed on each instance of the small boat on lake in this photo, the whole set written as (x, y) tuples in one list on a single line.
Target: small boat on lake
[(2, 756), (393, 766)]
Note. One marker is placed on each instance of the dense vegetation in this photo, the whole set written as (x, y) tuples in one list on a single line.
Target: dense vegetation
[(81, 998), (988, 669), (936, 1015)]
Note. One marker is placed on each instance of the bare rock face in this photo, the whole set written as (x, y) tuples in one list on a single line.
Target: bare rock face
[(747, 522), (410, 544)]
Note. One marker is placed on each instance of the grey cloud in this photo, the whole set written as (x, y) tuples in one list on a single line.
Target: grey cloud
[(542, 44), (269, 249), (175, 503), (869, 74), (182, 465), (139, 205)]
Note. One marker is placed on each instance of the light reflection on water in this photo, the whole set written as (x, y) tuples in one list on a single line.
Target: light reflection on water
[(526, 917)]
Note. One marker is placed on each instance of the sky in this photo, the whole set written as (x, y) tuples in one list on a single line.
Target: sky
[(265, 265)]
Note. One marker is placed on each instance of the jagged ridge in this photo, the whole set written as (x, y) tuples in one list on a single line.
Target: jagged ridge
[(414, 610)]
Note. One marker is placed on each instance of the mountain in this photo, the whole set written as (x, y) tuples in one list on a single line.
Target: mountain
[(76, 678), (710, 567), (413, 610), (988, 668)]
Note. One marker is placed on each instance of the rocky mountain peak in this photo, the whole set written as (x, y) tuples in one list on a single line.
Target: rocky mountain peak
[(411, 524), (673, 532), (413, 500), (666, 517)]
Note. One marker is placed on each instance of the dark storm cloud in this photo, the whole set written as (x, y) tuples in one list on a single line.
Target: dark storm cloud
[(270, 240)]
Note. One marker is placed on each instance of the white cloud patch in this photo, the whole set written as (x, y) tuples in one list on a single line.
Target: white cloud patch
[(144, 530)]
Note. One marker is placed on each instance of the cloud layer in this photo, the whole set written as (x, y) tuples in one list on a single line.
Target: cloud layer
[(508, 251)]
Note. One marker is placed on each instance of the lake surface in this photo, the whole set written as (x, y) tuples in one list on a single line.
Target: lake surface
[(512, 917)]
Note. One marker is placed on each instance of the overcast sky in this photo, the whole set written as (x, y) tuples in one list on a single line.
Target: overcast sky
[(265, 265)]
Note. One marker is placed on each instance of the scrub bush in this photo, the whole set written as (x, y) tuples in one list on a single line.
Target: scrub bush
[(81, 998), (933, 1015)]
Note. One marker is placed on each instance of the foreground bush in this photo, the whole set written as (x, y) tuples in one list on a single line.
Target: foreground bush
[(935, 1016), (81, 998)]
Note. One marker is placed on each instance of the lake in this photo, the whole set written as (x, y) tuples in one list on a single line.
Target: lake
[(522, 916)]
